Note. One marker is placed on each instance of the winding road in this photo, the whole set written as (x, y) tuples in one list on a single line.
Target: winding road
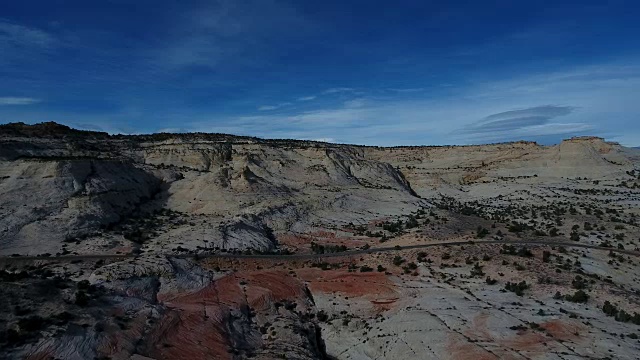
[(96, 257)]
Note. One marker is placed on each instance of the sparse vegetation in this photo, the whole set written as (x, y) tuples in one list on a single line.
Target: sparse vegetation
[(517, 288)]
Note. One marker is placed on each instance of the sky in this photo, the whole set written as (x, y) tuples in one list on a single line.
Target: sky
[(361, 72)]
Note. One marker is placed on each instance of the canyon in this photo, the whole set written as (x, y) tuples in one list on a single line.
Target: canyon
[(214, 246)]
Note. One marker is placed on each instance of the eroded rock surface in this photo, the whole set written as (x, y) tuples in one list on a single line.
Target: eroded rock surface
[(213, 246)]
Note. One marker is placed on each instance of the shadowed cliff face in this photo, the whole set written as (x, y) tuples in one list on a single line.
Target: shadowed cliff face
[(171, 309), (48, 201), (78, 187)]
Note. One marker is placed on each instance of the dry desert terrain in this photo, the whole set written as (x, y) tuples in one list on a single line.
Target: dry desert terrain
[(213, 246)]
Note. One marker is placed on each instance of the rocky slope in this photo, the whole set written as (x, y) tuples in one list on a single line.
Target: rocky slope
[(233, 191), (166, 202)]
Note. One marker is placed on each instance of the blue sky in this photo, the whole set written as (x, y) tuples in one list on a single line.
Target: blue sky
[(365, 72)]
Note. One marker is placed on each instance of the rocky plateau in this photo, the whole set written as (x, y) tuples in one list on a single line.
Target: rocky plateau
[(214, 246)]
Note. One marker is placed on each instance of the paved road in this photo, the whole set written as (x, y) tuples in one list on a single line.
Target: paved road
[(316, 256)]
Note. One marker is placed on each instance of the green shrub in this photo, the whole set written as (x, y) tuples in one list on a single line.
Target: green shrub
[(481, 232), (517, 288), (398, 260), (365, 268), (578, 297)]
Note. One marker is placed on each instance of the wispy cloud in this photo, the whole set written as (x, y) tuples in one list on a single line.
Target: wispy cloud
[(15, 35), (362, 125), (225, 32), (535, 123), (18, 101), (307, 98), (508, 121), (22, 45), (355, 103), (590, 100), (338, 90), (273, 107), (409, 90), (515, 109)]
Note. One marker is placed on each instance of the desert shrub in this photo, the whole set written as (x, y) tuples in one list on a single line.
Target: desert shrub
[(476, 271), (481, 232), (620, 315), (579, 283), (574, 236), (578, 297), (623, 316), (365, 268), (323, 265), (411, 222), (490, 281), (511, 250), (398, 260), (322, 249), (393, 227), (517, 227), (538, 232), (517, 288), (322, 316), (609, 309)]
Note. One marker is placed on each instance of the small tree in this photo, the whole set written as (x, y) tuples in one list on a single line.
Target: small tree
[(578, 297), (481, 232)]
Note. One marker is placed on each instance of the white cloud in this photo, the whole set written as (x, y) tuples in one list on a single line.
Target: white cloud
[(355, 103), (338, 90), (18, 101), (602, 99), (508, 123), (556, 130), (20, 45), (273, 107), (14, 35), (307, 98), (591, 100)]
